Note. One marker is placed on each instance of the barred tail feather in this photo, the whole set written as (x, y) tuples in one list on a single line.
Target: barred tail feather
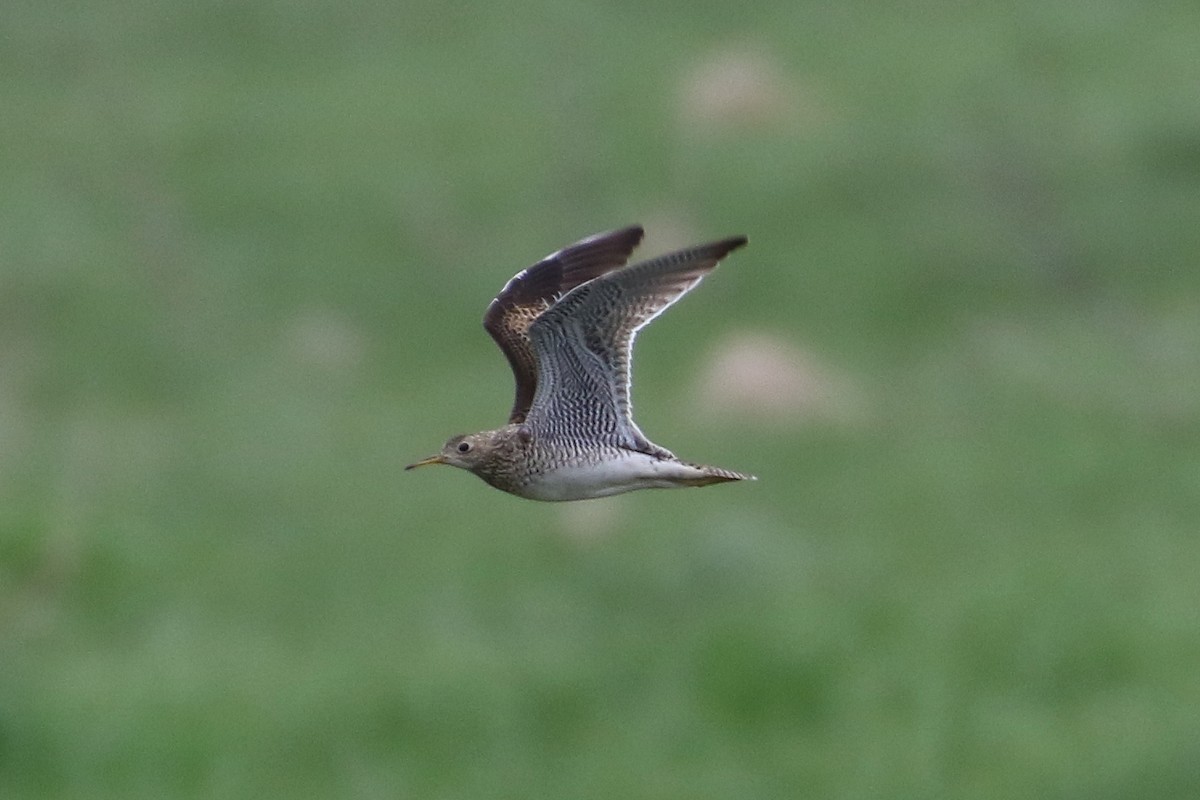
[(715, 475)]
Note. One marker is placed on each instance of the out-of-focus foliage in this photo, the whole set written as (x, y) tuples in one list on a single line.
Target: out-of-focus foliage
[(244, 251)]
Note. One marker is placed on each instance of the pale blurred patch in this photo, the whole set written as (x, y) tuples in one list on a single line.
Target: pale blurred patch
[(324, 339), (760, 378), (669, 229), (746, 89)]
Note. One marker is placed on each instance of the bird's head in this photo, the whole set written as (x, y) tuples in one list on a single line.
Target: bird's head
[(467, 451)]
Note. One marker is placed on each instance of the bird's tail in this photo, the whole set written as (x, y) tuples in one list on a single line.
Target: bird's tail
[(711, 475)]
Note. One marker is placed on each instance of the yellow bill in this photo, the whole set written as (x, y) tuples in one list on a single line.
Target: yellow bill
[(424, 462)]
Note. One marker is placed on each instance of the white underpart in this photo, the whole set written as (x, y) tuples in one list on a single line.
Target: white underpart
[(612, 476)]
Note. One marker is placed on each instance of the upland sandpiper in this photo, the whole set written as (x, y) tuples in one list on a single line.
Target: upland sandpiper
[(567, 326)]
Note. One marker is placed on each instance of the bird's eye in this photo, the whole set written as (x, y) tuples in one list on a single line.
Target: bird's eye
[(464, 447)]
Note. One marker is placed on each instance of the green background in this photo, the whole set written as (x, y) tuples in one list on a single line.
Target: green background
[(244, 252)]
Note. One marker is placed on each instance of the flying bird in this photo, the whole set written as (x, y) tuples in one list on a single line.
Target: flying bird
[(567, 325)]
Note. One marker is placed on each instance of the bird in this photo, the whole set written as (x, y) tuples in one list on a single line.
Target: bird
[(567, 326)]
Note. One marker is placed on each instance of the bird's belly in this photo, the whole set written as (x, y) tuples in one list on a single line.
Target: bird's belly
[(582, 481)]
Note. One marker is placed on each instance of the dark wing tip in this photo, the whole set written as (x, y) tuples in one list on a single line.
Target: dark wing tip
[(628, 235), (626, 238), (564, 269), (712, 253), (726, 246), (595, 255)]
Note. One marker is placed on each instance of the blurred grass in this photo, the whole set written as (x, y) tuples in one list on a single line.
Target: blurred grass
[(243, 250)]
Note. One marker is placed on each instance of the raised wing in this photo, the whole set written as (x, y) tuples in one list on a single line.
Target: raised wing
[(531, 292), (584, 347)]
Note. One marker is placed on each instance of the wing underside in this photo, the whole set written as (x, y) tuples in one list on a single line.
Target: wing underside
[(583, 346)]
